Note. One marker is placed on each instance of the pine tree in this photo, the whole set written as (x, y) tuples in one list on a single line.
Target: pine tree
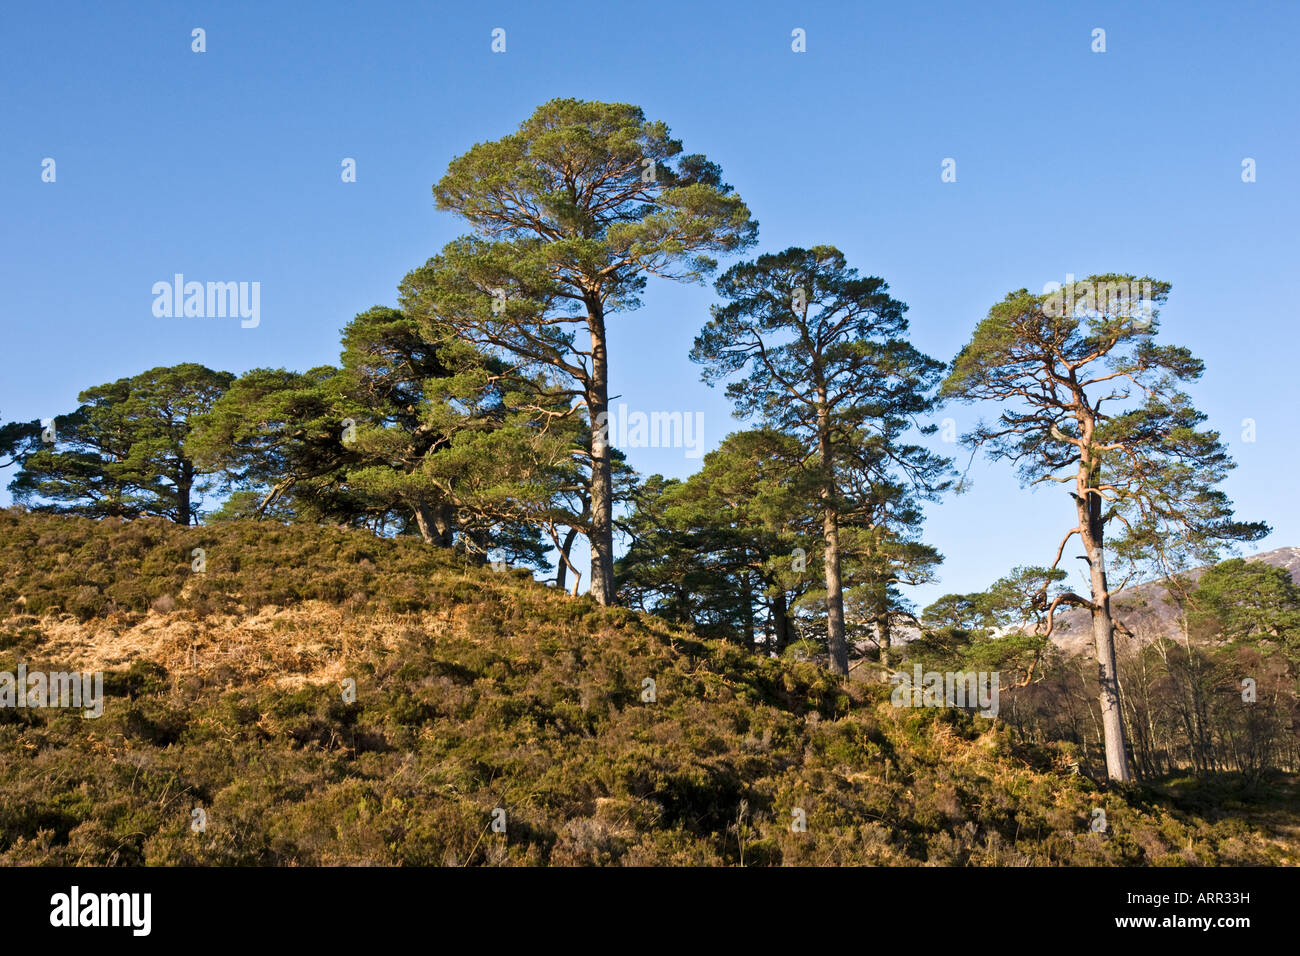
[(571, 214), (824, 359), (121, 452), (1051, 362)]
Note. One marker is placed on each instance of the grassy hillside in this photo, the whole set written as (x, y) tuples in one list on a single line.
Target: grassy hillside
[(477, 690)]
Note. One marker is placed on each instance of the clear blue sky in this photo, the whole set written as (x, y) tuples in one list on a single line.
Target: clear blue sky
[(225, 165)]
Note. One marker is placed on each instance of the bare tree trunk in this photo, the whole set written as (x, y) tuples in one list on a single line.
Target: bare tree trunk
[(781, 622), (562, 572), (274, 494), (749, 612), (184, 511), (1103, 635), (443, 525), (885, 637), (424, 522), (601, 535), (839, 650), (434, 524)]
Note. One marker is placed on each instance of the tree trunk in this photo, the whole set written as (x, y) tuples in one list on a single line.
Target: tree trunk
[(1103, 634), (781, 622), (424, 522), (601, 535), (749, 612), (184, 512), (562, 572), (839, 650), (443, 525), (434, 524), (274, 494)]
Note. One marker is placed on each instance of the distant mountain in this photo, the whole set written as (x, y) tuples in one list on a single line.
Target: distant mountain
[(1144, 609)]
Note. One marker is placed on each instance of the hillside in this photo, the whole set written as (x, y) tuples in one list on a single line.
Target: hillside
[(478, 690), (1145, 610)]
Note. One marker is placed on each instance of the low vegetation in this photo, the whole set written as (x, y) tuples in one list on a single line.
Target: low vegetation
[(477, 690)]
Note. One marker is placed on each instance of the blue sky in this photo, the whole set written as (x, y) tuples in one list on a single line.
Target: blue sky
[(225, 165)]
